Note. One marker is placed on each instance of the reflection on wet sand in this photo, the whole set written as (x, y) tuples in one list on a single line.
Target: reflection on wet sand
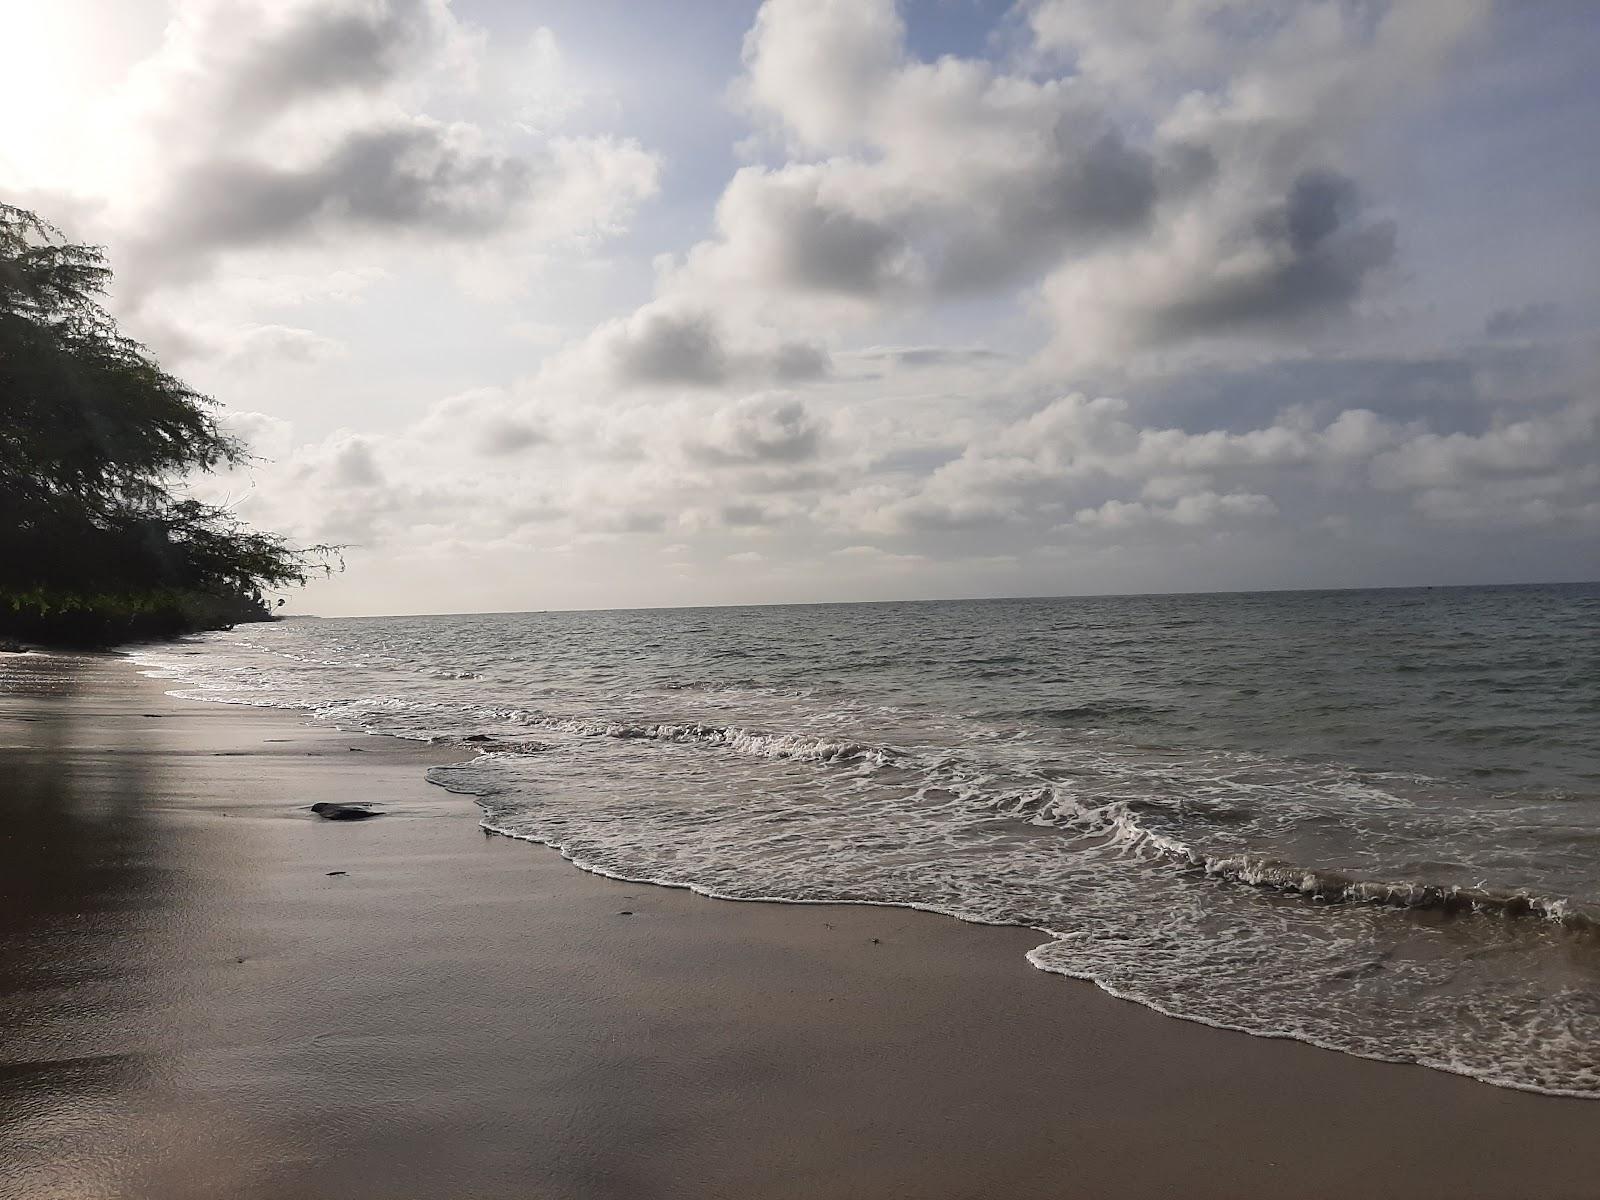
[(87, 897)]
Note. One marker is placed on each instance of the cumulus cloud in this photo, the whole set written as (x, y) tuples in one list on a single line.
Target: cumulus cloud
[(259, 60), (420, 176), (912, 357), (939, 178), (351, 463), (261, 345), (760, 429), (264, 125), (486, 422), (662, 344), (1276, 239), (501, 470), (1542, 446), (1195, 510), (1303, 257), (1155, 215)]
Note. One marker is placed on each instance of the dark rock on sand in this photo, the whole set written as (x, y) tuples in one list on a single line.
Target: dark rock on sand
[(343, 812), (477, 737)]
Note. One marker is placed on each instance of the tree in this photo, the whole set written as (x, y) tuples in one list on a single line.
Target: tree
[(96, 542)]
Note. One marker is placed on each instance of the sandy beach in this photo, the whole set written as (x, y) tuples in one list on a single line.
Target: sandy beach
[(210, 992)]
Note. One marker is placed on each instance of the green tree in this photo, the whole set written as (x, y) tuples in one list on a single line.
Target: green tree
[(97, 543)]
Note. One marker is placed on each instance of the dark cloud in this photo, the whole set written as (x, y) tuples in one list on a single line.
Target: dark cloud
[(323, 50), (413, 177), (1521, 321), (688, 348), (671, 348), (409, 176), (1316, 254), (629, 521), (794, 362), (233, 176), (1460, 391), (829, 250), (1033, 218), (353, 465), (1239, 398), (810, 225), (930, 356), (784, 478), (743, 516), (505, 435)]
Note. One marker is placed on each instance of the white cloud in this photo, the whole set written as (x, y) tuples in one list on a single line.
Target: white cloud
[(1197, 509), (257, 126), (261, 345)]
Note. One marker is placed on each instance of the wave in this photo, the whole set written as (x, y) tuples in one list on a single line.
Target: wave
[(1044, 804), (1322, 885), (1333, 887), (802, 747), (1102, 711)]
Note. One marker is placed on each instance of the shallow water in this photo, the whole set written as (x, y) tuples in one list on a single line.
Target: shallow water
[(1370, 820)]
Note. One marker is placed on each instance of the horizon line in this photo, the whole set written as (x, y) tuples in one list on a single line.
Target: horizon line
[(510, 612)]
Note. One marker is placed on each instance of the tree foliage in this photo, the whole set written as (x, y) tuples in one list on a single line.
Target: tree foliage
[(97, 541)]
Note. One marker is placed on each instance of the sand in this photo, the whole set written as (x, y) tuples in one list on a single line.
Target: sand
[(193, 1004)]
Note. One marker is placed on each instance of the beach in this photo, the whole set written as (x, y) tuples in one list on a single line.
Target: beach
[(209, 991)]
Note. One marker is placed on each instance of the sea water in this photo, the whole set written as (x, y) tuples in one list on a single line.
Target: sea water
[(1366, 819)]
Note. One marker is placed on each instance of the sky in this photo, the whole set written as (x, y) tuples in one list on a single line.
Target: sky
[(592, 303)]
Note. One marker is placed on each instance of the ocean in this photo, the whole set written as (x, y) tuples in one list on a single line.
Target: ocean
[(1369, 820)]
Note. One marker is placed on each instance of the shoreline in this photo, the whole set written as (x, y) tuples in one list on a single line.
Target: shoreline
[(1032, 957), (196, 1006)]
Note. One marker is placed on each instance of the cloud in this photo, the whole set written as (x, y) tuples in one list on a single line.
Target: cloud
[(760, 429), (257, 346), (664, 345), (914, 357), (353, 465), (1199, 192), (1273, 240), (661, 347), (875, 559), (1302, 258), (1196, 510), (419, 175), (1521, 320), (782, 229), (417, 178), (261, 125), (941, 179), (517, 469), (262, 60), (486, 421), (265, 436), (1546, 445)]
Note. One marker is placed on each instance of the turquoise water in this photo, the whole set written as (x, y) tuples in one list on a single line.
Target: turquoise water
[(1370, 820)]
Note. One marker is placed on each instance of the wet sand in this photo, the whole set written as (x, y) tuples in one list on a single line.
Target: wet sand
[(192, 1005)]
